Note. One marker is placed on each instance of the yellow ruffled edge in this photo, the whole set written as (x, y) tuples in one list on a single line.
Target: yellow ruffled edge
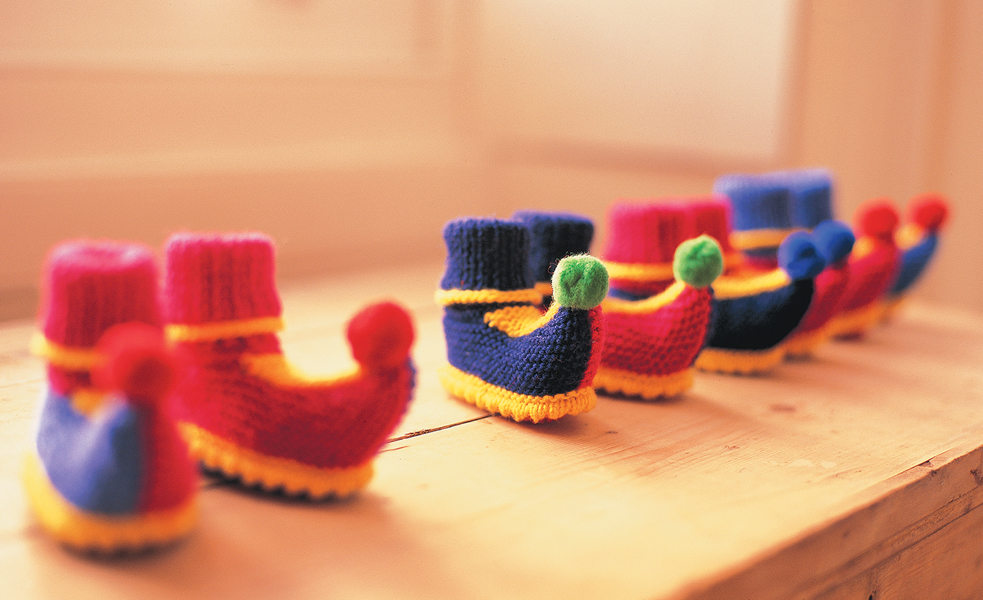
[(801, 345), (648, 387), (856, 321), (518, 407), (272, 473), (744, 362), (91, 532)]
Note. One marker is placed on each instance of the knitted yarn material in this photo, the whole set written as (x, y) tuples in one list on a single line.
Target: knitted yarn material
[(650, 344), (504, 355), (110, 472), (247, 413), (835, 241), (873, 265), (918, 240)]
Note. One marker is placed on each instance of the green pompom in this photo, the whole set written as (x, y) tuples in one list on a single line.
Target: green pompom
[(698, 261), (580, 281)]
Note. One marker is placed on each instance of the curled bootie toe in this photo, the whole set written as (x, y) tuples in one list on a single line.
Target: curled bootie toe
[(834, 240), (247, 413), (761, 211), (755, 308), (873, 264), (918, 241), (651, 344), (109, 472), (505, 355)]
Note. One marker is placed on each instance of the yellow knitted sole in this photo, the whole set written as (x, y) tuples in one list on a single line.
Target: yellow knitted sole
[(648, 387), (856, 321), (802, 345), (91, 532), (519, 407), (744, 362), (273, 473)]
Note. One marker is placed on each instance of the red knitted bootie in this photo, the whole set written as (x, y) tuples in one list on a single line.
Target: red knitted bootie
[(246, 413), (652, 341), (109, 471), (918, 241), (873, 265)]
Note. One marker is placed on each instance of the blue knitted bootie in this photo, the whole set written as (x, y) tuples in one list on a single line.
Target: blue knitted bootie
[(505, 355)]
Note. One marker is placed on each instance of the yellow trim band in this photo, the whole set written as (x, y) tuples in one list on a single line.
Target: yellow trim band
[(487, 296), (220, 330), (648, 387), (87, 401), (517, 321), (908, 235), (273, 473), (646, 306), (752, 239), (65, 357), (737, 286), (862, 247), (745, 362), (544, 288), (89, 531), (276, 369), (519, 407), (639, 271)]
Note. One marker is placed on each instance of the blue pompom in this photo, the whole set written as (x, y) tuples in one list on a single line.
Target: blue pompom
[(834, 239), (799, 257)]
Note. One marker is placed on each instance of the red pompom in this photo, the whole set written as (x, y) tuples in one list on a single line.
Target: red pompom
[(878, 218), (136, 363), (929, 211), (381, 335)]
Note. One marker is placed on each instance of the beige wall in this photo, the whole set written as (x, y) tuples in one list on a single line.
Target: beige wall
[(355, 152)]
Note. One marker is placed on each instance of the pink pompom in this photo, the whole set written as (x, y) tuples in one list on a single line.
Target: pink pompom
[(929, 211), (136, 363), (878, 218), (381, 335)]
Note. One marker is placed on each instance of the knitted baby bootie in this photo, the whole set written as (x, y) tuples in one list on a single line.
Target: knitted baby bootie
[(247, 414), (770, 206), (504, 354), (109, 472), (918, 241), (650, 345), (834, 240), (873, 264), (755, 311)]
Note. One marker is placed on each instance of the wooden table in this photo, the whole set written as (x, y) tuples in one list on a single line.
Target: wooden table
[(854, 475)]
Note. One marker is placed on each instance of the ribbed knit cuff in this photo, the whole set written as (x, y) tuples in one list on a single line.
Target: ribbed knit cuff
[(89, 286), (554, 236), (220, 277), (646, 232), (486, 253)]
